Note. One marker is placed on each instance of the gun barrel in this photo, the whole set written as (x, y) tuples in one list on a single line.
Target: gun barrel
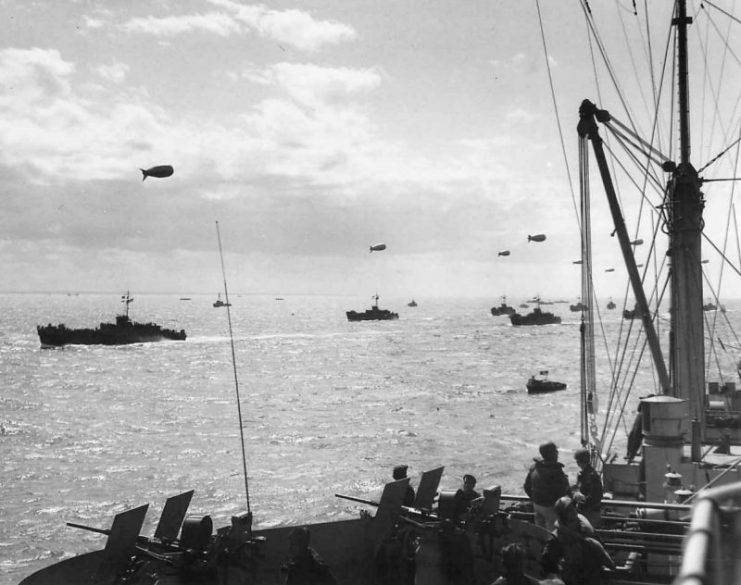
[(89, 528), (359, 500)]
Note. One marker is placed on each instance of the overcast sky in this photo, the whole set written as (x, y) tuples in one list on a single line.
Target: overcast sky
[(310, 130)]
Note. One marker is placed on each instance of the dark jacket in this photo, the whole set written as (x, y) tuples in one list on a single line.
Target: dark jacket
[(546, 482), (589, 484), (408, 497), (463, 501), (308, 569), (576, 555)]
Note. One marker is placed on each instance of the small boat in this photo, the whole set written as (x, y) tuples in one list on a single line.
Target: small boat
[(185, 298), (631, 313), (536, 317), (540, 384), (611, 305), (123, 332), (709, 306), (578, 307), (219, 303), (412, 303), (503, 309), (372, 314)]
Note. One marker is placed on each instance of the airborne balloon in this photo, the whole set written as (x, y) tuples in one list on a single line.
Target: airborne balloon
[(503, 253), (160, 171), (377, 247), (536, 238)]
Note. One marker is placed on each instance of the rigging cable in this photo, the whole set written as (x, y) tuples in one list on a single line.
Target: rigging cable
[(728, 14), (714, 159), (705, 46), (661, 157), (555, 107), (234, 367)]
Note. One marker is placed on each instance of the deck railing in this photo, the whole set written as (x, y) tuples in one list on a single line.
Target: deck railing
[(713, 542)]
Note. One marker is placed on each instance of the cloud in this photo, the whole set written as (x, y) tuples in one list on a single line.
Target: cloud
[(169, 26), (294, 27), (311, 84), (115, 73), (307, 156), (30, 73), (291, 27), (519, 115), (53, 131), (91, 22), (315, 136)]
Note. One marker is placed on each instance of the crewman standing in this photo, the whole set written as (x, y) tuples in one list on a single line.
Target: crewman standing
[(545, 483)]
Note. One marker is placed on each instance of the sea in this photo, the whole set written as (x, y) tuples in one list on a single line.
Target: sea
[(327, 407)]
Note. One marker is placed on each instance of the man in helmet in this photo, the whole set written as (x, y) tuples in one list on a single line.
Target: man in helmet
[(574, 551), (587, 492)]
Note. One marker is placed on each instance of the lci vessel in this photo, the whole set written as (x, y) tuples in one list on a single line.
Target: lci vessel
[(124, 331)]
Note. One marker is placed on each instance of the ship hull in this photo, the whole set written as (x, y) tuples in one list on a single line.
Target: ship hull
[(534, 318), (348, 547), (372, 315), (544, 387), (107, 334)]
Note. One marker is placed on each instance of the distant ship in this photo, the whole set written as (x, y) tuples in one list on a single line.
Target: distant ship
[(631, 313), (578, 307), (219, 303), (122, 332), (611, 305), (503, 309), (372, 314), (536, 317), (412, 303), (541, 384)]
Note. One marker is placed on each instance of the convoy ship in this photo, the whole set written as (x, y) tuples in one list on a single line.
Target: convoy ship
[(372, 314), (124, 331)]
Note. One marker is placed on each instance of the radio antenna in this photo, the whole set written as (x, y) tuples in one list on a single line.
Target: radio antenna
[(234, 367)]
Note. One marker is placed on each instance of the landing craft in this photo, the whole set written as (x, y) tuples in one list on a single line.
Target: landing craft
[(160, 172), (503, 253), (536, 238), (377, 247)]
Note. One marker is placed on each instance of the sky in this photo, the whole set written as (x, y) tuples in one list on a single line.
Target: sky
[(309, 131)]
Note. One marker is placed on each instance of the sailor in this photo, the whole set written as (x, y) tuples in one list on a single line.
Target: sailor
[(573, 550), (400, 472), (587, 493), (545, 483), (395, 554), (513, 565), (465, 496), (304, 566)]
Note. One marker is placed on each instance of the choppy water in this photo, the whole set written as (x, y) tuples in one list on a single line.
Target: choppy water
[(328, 407)]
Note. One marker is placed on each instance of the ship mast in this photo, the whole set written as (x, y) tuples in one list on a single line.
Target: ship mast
[(684, 212)]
